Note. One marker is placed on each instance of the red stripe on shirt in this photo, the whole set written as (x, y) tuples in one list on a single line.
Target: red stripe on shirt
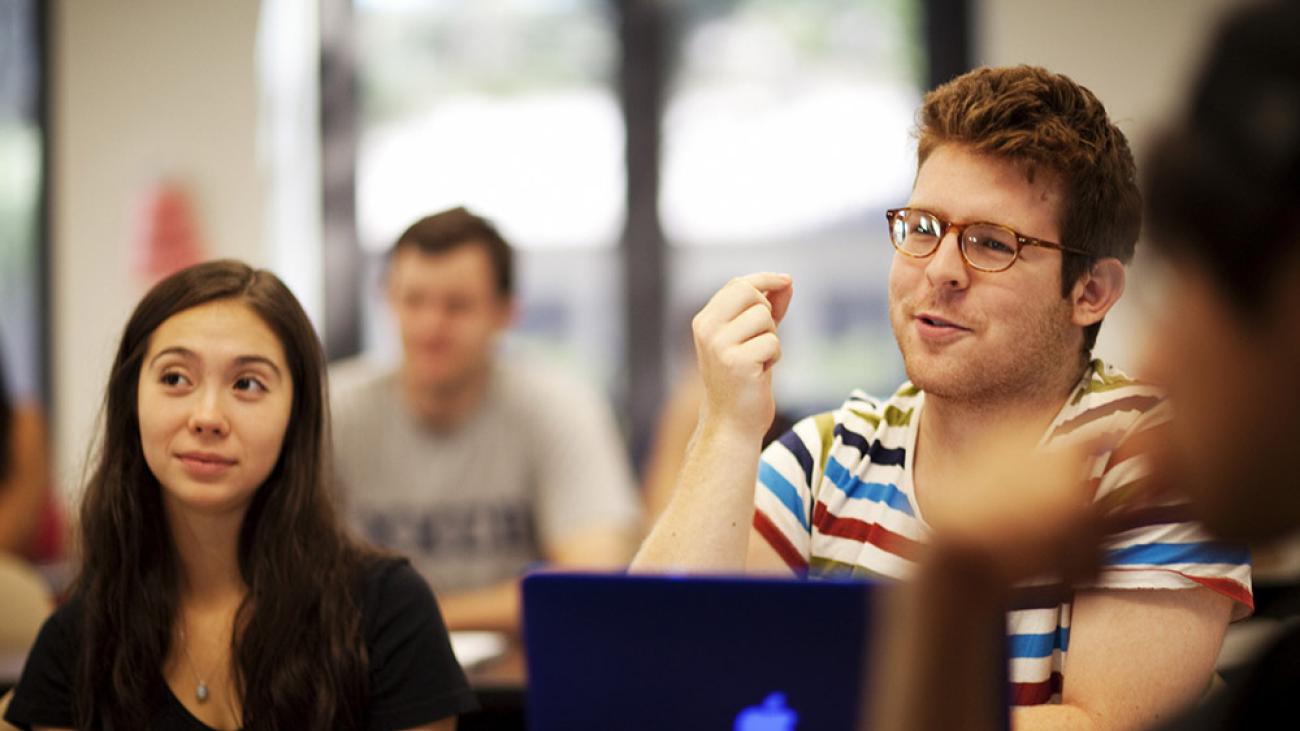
[(779, 543), (1234, 590), (864, 532), (1036, 694), (1127, 403), (1230, 588)]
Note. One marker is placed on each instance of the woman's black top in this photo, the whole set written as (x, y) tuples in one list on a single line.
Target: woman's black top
[(414, 677)]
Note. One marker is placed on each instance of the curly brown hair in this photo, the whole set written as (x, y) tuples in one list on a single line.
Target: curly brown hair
[(1045, 121)]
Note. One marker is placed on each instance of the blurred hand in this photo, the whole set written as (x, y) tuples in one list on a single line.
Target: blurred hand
[(736, 346), (1021, 512)]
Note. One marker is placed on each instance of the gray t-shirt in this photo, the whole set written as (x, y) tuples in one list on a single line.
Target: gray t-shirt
[(541, 459)]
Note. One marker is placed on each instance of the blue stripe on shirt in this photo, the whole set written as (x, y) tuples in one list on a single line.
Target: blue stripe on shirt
[(792, 442), (1042, 645), (873, 451), (784, 491), (878, 492), (1173, 553)]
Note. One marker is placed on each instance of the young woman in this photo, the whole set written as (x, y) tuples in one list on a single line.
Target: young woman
[(216, 588)]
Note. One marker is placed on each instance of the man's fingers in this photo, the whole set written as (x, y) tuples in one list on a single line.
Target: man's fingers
[(726, 304), (753, 321), (738, 297), (741, 292), (736, 344), (765, 281), (777, 289), (763, 350), (779, 297)]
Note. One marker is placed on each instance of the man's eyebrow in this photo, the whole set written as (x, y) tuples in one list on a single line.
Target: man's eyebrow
[(912, 206)]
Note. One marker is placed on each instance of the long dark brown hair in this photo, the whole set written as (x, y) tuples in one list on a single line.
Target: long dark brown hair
[(299, 655)]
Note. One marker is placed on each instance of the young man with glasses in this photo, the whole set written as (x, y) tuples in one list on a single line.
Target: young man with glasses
[(1010, 253)]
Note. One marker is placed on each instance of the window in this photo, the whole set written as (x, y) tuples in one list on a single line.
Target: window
[(22, 143), (505, 107), (785, 134), (785, 138)]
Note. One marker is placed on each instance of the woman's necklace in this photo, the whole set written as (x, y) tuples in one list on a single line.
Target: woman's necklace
[(200, 690)]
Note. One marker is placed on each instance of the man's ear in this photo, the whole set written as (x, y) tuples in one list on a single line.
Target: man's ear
[(507, 311), (1097, 291)]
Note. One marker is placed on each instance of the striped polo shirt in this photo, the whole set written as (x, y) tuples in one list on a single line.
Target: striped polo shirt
[(834, 498)]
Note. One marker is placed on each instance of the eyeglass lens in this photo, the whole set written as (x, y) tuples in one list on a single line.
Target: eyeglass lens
[(985, 246)]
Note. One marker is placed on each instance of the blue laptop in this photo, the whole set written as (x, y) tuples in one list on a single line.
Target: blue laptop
[(634, 652)]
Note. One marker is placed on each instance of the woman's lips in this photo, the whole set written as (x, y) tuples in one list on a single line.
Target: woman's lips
[(203, 464)]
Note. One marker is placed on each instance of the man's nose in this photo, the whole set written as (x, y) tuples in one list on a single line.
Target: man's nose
[(947, 267)]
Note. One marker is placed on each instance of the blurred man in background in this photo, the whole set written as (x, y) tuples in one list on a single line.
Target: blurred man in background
[(473, 464)]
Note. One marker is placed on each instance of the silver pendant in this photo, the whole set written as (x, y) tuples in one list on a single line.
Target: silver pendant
[(201, 692)]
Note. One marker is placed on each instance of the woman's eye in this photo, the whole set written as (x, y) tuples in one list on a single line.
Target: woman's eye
[(248, 383), (172, 379)]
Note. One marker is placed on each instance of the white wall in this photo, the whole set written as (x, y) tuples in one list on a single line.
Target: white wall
[(1137, 56), (140, 90)]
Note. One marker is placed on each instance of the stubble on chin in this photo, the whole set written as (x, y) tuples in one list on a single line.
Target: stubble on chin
[(981, 372)]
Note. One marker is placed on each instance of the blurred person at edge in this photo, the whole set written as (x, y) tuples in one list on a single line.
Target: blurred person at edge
[(1008, 255), (28, 526), (216, 588), (476, 464), (1223, 202)]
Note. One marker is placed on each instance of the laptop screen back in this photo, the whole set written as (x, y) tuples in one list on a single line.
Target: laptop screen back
[(620, 652)]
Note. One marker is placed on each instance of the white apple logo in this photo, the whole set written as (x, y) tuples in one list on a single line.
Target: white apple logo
[(771, 716)]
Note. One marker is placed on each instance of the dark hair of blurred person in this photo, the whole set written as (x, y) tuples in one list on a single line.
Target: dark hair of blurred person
[(455, 227), (1225, 211)]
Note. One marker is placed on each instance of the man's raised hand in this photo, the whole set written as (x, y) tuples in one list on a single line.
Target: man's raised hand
[(736, 346)]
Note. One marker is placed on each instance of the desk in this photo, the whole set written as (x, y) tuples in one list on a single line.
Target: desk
[(501, 686)]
